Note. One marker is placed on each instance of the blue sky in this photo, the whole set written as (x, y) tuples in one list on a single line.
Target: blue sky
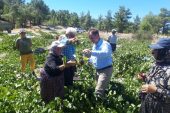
[(97, 7)]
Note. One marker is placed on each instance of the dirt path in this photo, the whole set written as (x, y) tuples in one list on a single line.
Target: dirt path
[(105, 35), (35, 29)]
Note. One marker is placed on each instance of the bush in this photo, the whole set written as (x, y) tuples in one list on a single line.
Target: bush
[(142, 35)]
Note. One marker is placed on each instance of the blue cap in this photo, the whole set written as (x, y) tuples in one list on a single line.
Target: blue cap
[(163, 43)]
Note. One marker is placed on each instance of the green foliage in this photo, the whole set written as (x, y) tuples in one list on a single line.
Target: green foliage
[(140, 35), (100, 23), (151, 23), (88, 21), (108, 21), (121, 18), (136, 24), (145, 25), (165, 15)]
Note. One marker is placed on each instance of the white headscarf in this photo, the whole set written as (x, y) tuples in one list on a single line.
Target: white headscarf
[(54, 45)]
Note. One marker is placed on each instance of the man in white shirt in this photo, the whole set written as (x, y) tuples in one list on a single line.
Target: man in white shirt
[(113, 40)]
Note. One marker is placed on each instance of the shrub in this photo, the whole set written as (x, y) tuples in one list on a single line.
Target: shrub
[(140, 35)]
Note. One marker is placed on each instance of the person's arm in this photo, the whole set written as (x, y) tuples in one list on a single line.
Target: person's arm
[(161, 92), (53, 67), (72, 40), (71, 63), (68, 64)]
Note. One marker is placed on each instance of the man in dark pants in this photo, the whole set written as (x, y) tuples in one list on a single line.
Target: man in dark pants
[(113, 40)]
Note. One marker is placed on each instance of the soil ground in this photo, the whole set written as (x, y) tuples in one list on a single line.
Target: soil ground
[(59, 29)]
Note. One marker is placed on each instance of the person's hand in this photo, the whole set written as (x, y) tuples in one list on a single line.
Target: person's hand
[(72, 40), (70, 63), (148, 88), (61, 67), (81, 62), (141, 76), (87, 52)]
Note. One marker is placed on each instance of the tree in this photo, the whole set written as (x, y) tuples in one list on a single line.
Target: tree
[(52, 18), (63, 17), (39, 11), (74, 20), (145, 26), (153, 23), (108, 21), (11, 10), (121, 19), (100, 24), (136, 23), (94, 22), (82, 20), (164, 15), (88, 21), (1, 7)]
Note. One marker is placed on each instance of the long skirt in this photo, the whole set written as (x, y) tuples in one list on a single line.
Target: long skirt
[(150, 105), (51, 87), (68, 75)]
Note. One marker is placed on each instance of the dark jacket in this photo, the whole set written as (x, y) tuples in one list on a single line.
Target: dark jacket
[(51, 65)]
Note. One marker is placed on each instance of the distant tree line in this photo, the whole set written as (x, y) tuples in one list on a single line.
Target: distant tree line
[(23, 14)]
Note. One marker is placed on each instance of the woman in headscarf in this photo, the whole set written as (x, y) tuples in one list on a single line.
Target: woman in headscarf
[(52, 75)]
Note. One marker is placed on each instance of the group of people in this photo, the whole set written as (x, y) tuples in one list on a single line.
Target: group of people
[(60, 66), (100, 56)]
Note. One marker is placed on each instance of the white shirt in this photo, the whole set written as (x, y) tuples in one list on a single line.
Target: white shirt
[(112, 39)]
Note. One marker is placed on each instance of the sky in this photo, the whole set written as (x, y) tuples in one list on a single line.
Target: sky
[(101, 7)]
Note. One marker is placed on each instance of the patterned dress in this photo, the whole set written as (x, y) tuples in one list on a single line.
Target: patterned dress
[(158, 102)]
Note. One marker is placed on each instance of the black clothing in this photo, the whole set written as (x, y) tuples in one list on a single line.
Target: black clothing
[(52, 79), (113, 47), (68, 75), (51, 65)]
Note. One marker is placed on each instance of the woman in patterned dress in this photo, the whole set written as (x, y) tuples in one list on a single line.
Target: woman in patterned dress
[(155, 93)]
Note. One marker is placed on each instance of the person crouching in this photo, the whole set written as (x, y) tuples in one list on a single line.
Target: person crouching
[(52, 75)]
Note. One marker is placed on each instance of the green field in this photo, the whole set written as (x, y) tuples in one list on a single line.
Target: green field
[(21, 94)]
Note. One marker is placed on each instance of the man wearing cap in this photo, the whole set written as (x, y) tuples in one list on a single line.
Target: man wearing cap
[(23, 45), (101, 58), (155, 93), (113, 40)]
